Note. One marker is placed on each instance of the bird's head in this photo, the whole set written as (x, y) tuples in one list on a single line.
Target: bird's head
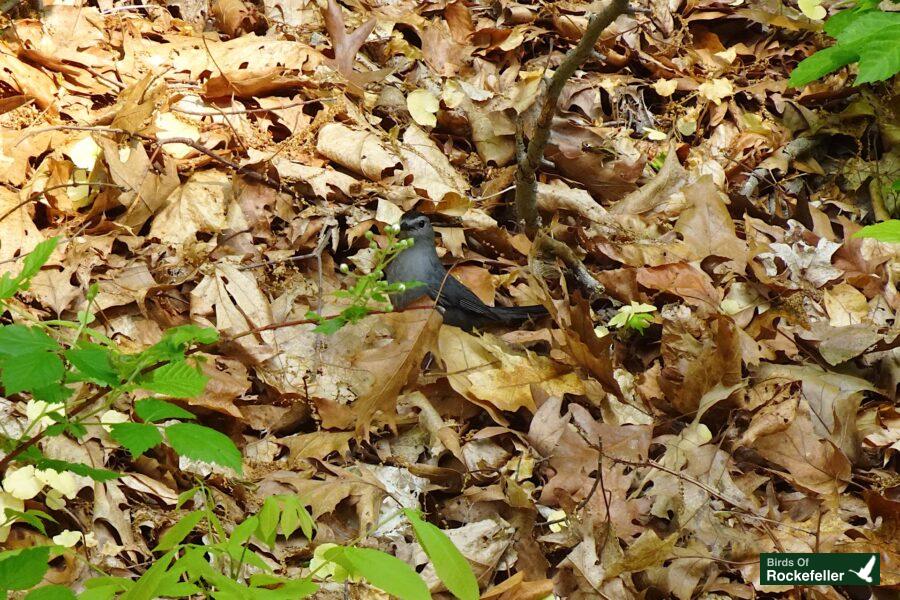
[(415, 225)]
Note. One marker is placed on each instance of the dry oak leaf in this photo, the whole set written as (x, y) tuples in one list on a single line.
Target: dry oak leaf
[(230, 300), (657, 195), (345, 45), (490, 373), (433, 174), (812, 463), (318, 444), (145, 190), (833, 398), (516, 588), (26, 79), (227, 382), (244, 67), (136, 104), (322, 496), (324, 182), (706, 226), (205, 203), (394, 363), (18, 233), (360, 151), (683, 280)]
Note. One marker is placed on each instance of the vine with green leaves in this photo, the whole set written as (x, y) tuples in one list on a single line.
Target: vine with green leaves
[(868, 37), (70, 377)]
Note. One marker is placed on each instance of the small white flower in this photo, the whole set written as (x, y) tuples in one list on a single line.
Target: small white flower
[(37, 412), (558, 520), (111, 417), (63, 482), (344, 268), (67, 538), (90, 540), (22, 483), (54, 500), (12, 503)]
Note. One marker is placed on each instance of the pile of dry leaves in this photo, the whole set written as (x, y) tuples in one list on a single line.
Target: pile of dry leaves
[(755, 414)]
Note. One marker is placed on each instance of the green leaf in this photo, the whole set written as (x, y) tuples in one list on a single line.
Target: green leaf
[(137, 438), (268, 521), (330, 326), (450, 565), (53, 393), (105, 592), (36, 259), (26, 372), (152, 410), (19, 339), (23, 569), (381, 570), (179, 337), (176, 340), (35, 518), (176, 379), (177, 532), (202, 443), (104, 588), (820, 64), (51, 592), (147, 587), (82, 469), (886, 231), (870, 37), (93, 362), (179, 589), (879, 55)]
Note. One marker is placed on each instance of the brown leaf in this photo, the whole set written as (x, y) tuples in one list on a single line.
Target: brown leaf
[(318, 444), (684, 280), (812, 463), (413, 333), (345, 46), (26, 79), (707, 227), (459, 20), (487, 371)]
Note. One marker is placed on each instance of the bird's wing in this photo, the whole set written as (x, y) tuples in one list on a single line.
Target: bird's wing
[(449, 292)]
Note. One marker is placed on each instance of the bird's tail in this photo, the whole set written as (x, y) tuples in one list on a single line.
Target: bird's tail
[(517, 314)]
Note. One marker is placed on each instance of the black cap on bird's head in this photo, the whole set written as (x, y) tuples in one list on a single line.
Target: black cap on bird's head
[(415, 225)]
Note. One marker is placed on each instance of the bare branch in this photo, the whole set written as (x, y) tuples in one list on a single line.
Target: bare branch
[(526, 182)]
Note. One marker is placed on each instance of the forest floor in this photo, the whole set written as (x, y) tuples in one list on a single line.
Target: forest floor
[(185, 172)]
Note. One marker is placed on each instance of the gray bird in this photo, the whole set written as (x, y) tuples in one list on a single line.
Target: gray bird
[(458, 304)]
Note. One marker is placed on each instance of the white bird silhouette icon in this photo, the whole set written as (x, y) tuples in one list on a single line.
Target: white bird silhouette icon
[(866, 572)]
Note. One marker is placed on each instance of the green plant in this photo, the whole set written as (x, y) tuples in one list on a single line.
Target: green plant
[(863, 34), (225, 565), (42, 363), (633, 316), (69, 376), (370, 292), (886, 231)]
